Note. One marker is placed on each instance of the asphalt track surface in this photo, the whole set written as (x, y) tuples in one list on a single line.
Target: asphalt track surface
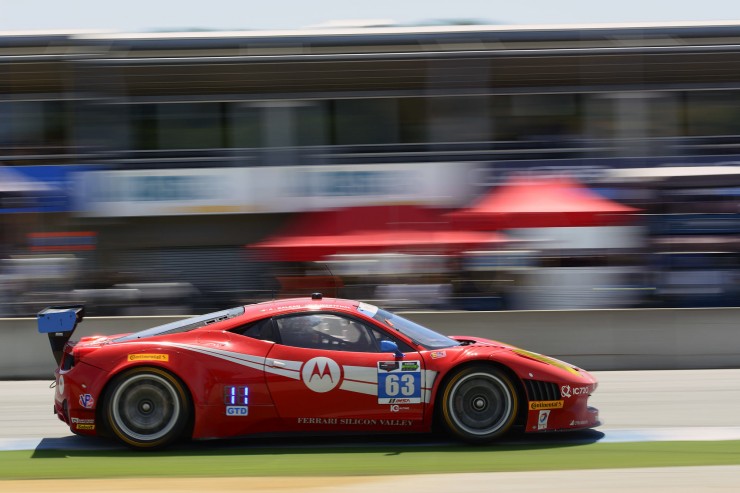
[(634, 406)]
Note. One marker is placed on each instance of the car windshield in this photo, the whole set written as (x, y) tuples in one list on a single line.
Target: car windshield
[(420, 334), (184, 325)]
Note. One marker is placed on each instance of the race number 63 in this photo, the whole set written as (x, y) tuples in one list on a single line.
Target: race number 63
[(404, 385), (396, 385)]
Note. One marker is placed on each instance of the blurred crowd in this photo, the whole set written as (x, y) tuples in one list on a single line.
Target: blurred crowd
[(636, 239)]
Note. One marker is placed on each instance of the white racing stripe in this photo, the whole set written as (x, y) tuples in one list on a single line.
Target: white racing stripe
[(359, 379), (361, 374), (359, 387)]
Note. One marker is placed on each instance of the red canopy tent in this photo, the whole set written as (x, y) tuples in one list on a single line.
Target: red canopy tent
[(374, 229), (539, 203)]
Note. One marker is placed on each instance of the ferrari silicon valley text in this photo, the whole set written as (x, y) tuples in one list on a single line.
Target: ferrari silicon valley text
[(355, 421)]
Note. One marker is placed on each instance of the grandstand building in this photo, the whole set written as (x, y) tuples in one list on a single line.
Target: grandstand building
[(182, 146)]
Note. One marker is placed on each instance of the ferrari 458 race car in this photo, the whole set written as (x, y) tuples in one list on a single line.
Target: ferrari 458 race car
[(305, 365)]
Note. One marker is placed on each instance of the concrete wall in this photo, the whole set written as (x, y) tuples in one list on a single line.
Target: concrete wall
[(645, 339), (24, 353), (594, 339)]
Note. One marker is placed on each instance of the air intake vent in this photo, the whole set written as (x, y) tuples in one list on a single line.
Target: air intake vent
[(542, 391)]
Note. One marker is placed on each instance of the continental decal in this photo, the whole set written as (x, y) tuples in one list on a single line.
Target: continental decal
[(84, 427), (148, 357), (547, 360), (537, 405)]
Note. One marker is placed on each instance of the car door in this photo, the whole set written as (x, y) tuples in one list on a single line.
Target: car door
[(326, 371)]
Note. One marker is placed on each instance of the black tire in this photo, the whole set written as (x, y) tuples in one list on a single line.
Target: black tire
[(478, 404), (147, 408)]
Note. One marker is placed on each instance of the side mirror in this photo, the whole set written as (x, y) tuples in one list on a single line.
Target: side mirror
[(390, 347)]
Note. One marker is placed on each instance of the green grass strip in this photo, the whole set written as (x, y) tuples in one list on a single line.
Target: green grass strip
[(195, 461)]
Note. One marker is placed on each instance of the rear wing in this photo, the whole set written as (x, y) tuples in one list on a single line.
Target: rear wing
[(59, 322)]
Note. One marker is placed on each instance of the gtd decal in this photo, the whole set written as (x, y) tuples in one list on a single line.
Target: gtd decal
[(237, 411), (321, 374), (568, 391)]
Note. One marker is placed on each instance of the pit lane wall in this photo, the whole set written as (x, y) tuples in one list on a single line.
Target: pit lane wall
[(641, 339)]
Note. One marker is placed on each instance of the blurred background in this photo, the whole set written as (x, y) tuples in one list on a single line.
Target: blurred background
[(469, 167)]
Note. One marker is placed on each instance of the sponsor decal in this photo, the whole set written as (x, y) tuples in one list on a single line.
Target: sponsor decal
[(438, 354), (535, 405), (355, 421), (367, 309), (318, 421), (568, 391), (85, 427), (60, 385), (388, 365), (285, 308), (400, 385), (395, 408), (237, 411), (83, 421), (578, 423), (321, 374), (148, 357), (542, 420), (87, 401)]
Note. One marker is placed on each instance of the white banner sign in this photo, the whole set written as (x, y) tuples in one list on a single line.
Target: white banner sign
[(131, 193)]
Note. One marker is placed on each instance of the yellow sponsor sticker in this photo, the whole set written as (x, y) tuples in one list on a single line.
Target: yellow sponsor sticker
[(148, 357), (85, 427), (537, 405)]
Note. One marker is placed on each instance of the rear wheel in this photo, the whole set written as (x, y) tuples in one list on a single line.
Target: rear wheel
[(479, 403), (147, 408)]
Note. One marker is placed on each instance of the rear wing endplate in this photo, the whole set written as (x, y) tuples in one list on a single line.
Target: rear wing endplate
[(59, 322)]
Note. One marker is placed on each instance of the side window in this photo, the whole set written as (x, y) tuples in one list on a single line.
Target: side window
[(325, 331), (261, 329), (379, 335)]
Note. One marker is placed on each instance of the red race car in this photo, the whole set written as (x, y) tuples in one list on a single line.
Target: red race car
[(305, 365)]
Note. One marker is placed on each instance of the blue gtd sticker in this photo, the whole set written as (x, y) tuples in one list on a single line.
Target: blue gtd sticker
[(399, 382), (237, 411)]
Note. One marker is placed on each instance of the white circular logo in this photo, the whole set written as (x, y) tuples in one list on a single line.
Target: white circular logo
[(60, 385), (321, 374)]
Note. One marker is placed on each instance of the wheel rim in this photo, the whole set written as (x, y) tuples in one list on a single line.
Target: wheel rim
[(480, 403), (145, 407)]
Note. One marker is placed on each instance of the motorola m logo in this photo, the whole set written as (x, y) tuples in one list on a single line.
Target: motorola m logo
[(321, 374)]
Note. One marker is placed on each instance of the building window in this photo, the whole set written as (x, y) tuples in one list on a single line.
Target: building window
[(34, 126), (178, 126), (712, 113)]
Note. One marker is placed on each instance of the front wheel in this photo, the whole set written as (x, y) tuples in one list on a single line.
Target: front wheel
[(147, 408), (479, 404)]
